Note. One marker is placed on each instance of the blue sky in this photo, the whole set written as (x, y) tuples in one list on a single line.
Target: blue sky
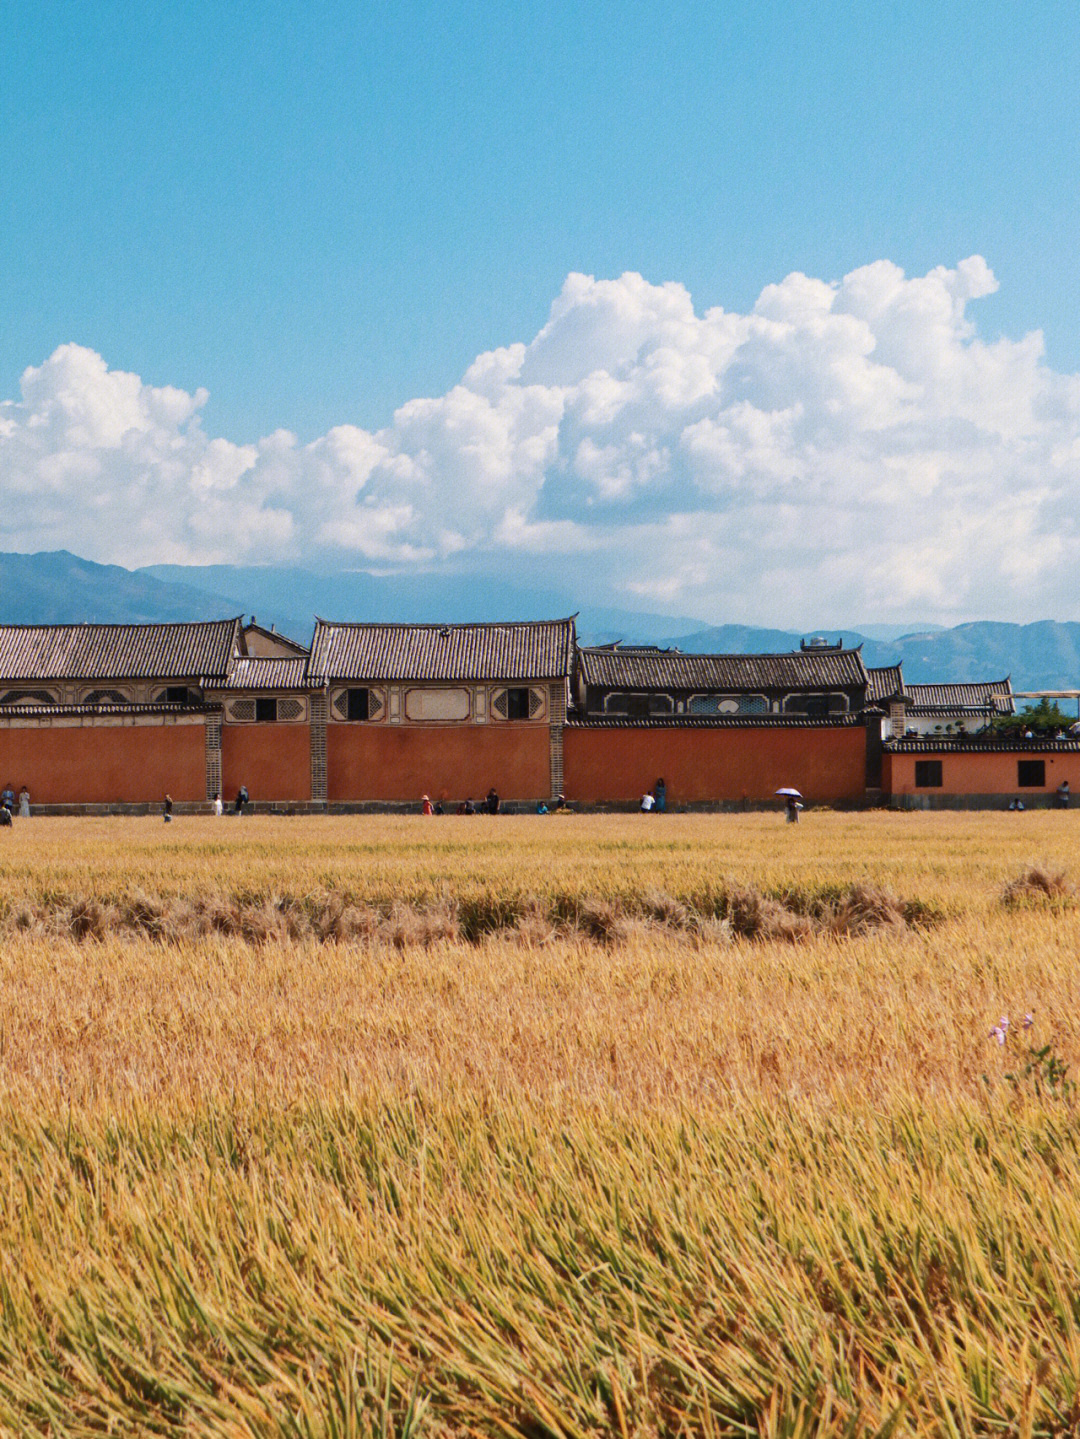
[(319, 211), (226, 221)]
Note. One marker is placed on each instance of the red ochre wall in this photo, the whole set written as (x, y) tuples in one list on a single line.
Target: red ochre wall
[(402, 762), (702, 765), (273, 760), (105, 764), (980, 773)]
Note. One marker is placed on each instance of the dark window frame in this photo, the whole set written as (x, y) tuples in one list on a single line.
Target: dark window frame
[(178, 694), (928, 774), (1030, 767), (266, 709), (817, 704), (358, 703), (517, 702), (639, 704)]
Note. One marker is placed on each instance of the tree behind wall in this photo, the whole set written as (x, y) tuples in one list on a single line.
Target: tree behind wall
[(1042, 719)]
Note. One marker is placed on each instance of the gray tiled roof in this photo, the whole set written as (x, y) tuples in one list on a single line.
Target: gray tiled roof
[(885, 681), (258, 672), (196, 650), (963, 696), (668, 669), (534, 650)]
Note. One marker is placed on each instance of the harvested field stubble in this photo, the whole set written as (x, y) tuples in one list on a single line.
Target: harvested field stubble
[(383, 1126)]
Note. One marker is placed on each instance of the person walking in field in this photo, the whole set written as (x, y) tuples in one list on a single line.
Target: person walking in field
[(792, 807), (167, 809)]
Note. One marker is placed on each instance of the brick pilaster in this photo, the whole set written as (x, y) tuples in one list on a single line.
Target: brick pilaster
[(557, 723), (212, 735), (318, 702)]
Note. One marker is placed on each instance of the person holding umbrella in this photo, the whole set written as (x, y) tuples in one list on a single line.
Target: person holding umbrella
[(792, 804)]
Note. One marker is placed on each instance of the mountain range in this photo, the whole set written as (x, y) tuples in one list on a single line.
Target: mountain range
[(58, 587)]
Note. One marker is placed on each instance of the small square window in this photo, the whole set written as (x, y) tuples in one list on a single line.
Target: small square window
[(358, 704), (176, 695), (1031, 773), (266, 710), (928, 774), (517, 704)]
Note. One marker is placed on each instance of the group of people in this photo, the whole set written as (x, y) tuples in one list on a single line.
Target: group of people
[(654, 801), (217, 805), (559, 806), (1062, 798), (490, 804), (8, 802)]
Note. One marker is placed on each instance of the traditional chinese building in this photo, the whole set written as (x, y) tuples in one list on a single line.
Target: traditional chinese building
[(977, 772), (729, 729), (446, 710), (642, 682), (938, 709), (114, 714)]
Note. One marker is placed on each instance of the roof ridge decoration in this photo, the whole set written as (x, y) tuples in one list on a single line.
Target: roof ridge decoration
[(439, 624)]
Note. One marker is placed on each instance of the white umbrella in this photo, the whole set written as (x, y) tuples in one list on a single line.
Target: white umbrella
[(790, 793)]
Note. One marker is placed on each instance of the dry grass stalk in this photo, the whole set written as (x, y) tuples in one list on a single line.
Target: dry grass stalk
[(1038, 881)]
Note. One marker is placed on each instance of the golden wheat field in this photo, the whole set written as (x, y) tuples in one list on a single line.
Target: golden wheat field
[(629, 1125)]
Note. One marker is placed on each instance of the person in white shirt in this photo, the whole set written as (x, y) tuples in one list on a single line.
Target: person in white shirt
[(647, 803), (217, 807)]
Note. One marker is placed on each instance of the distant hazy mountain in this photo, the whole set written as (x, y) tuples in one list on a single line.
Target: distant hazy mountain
[(62, 588), (893, 632), (1045, 655)]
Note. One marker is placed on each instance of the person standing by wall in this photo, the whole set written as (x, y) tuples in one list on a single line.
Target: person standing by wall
[(660, 796), (24, 803)]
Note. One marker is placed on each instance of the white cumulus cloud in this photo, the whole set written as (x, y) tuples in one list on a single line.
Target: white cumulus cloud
[(848, 449)]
